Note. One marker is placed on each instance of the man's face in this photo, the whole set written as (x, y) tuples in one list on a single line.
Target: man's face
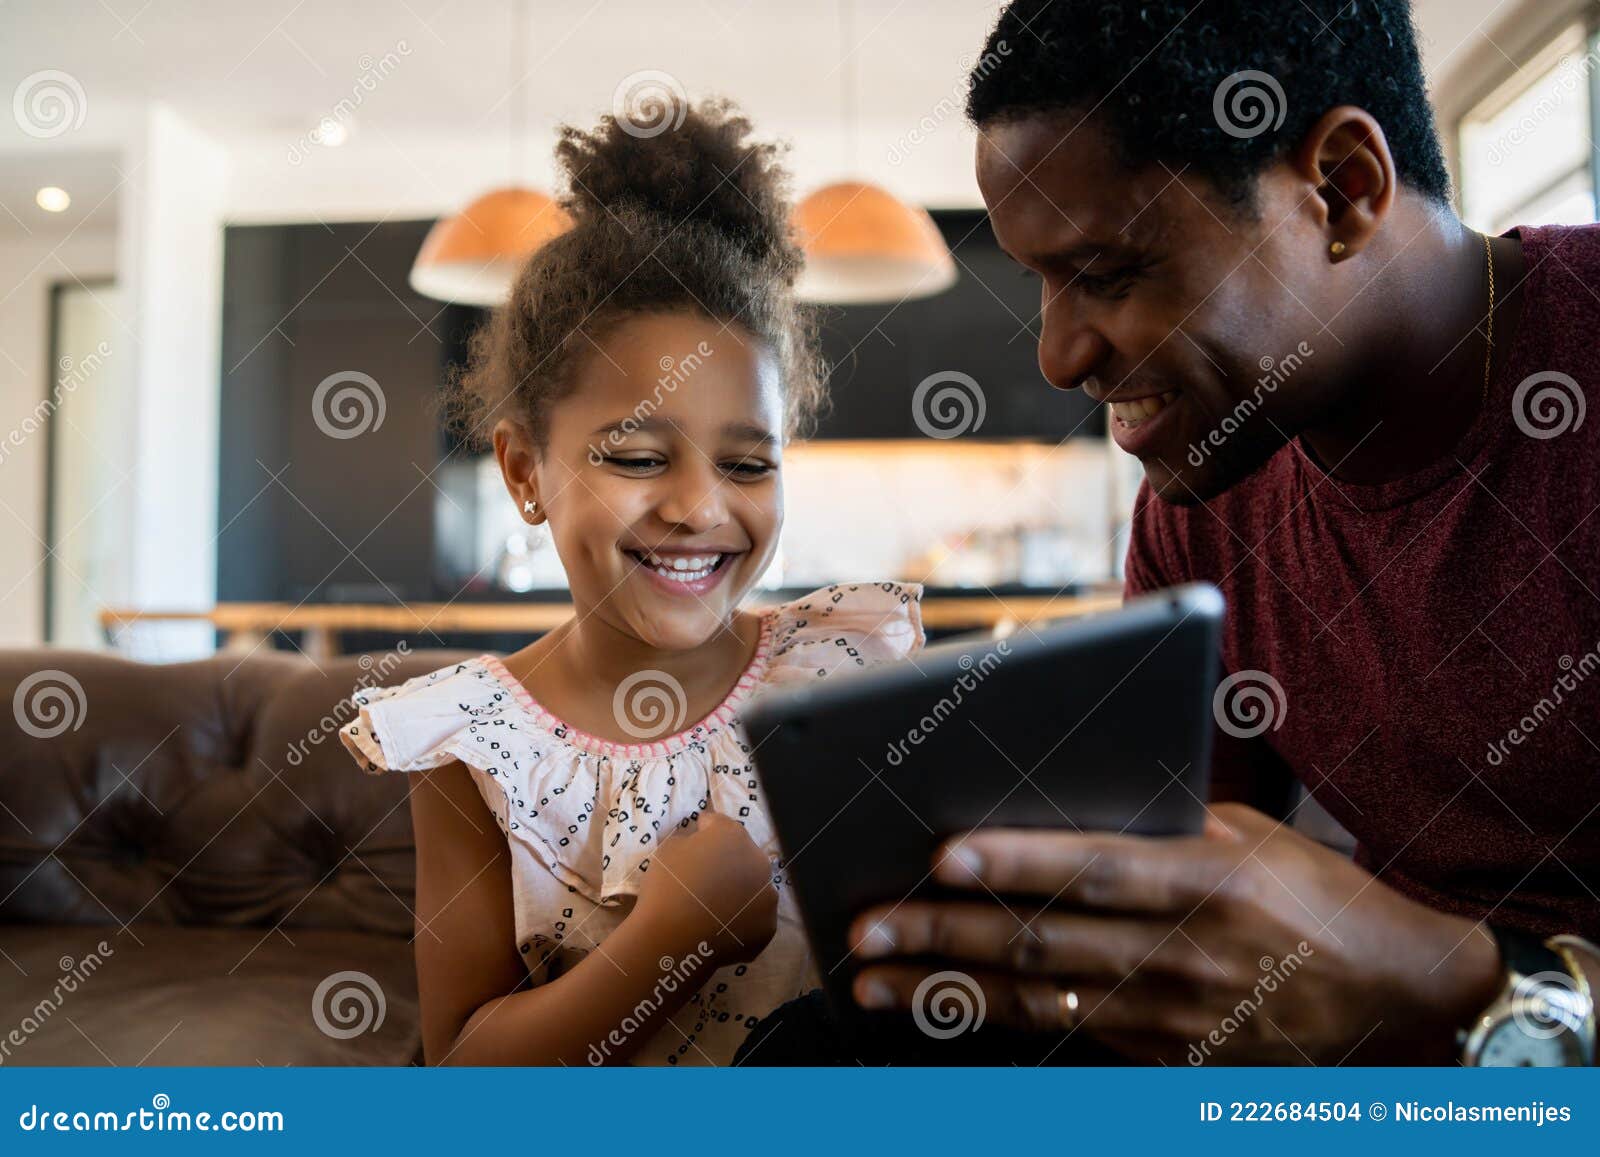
[(1197, 323)]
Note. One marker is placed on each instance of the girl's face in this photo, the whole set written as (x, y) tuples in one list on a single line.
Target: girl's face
[(659, 476)]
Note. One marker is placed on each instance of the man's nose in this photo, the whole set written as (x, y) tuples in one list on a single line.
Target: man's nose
[(1069, 351)]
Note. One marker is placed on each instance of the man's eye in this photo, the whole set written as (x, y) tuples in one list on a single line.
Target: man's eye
[(1112, 285), (634, 464)]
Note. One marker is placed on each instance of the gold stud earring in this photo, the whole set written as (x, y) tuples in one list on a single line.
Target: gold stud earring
[(1337, 248)]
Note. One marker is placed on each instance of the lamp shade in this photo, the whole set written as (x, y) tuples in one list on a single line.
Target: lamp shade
[(863, 244), (474, 256)]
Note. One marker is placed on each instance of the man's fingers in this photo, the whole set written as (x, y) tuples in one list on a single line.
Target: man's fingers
[(946, 1002), (1029, 942), (1119, 873)]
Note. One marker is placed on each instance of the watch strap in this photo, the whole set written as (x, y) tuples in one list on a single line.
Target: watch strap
[(1527, 954)]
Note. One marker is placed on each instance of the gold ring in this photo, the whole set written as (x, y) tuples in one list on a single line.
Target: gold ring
[(1067, 1007)]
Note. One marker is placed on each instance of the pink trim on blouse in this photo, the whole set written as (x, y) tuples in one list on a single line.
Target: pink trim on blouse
[(720, 717)]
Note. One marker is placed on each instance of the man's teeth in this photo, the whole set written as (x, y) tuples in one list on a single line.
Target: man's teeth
[(683, 568), (1136, 411)]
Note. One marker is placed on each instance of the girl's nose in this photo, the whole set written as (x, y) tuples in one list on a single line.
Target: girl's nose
[(693, 500)]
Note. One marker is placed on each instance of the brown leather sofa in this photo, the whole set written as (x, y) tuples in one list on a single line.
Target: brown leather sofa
[(193, 871)]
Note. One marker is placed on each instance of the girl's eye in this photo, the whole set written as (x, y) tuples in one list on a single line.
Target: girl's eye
[(747, 469), (635, 465)]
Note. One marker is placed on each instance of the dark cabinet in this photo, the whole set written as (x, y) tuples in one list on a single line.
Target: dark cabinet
[(308, 510), (985, 328)]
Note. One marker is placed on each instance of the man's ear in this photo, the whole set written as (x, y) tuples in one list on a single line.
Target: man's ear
[(1346, 163), (515, 450)]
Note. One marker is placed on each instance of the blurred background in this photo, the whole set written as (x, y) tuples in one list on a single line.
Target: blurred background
[(224, 228)]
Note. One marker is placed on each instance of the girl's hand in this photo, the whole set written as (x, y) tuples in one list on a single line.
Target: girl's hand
[(714, 885)]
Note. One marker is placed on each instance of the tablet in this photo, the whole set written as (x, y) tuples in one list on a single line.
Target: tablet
[(1098, 723)]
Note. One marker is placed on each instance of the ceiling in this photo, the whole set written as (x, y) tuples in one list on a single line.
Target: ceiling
[(251, 70)]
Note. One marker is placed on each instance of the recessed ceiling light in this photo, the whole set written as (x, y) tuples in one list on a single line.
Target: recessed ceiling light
[(330, 134), (52, 199)]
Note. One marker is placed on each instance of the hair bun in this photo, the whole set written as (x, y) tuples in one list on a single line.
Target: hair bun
[(681, 161)]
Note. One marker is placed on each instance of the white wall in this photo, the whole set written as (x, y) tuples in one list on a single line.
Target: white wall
[(172, 263)]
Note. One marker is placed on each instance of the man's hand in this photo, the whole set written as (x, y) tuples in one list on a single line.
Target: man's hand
[(1249, 944)]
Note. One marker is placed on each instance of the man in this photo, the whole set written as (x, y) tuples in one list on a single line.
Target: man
[(1364, 423)]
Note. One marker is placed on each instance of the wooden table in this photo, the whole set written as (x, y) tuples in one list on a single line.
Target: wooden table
[(249, 625)]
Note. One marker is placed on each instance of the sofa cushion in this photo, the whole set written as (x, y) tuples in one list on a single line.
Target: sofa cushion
[(212, 792), (164, 994)]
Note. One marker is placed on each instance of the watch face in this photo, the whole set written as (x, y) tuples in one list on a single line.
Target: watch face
[(1534, 1035), (1507, 1046)]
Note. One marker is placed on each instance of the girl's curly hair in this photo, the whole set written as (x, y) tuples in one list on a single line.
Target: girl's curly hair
[(692, 218)]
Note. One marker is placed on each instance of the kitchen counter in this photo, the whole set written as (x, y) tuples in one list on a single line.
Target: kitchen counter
[(249, 625)]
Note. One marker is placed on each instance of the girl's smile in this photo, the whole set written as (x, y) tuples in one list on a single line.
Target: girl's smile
[(685, 571)]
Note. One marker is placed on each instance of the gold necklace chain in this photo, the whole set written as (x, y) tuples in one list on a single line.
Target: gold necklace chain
[(1488, 345)]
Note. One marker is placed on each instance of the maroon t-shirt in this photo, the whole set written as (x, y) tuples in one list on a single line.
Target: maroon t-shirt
[(1437, 638)]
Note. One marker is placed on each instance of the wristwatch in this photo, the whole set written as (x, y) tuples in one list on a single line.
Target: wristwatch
[(1544, 1015)]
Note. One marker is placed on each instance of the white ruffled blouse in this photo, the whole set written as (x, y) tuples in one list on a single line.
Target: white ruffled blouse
[(582, 815)]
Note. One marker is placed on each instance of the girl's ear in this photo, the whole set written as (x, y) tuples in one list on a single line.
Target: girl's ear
[(514, 449)]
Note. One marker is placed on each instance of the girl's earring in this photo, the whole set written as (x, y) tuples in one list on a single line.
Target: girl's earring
[(1337, 248), (530, 507)]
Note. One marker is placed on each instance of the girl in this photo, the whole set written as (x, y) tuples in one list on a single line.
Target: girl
[(597, 879)]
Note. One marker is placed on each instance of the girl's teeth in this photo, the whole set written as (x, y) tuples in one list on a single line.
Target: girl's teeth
[(686, 569), (1136, 411)]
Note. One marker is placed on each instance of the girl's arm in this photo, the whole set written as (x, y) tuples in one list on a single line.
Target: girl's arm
[(707, 905)]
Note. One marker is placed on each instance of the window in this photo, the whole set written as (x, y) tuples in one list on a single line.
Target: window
[(1527, 149)]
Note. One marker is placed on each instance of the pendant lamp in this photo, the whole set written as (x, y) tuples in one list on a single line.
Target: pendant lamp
[(862, 243), (473, 257)]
